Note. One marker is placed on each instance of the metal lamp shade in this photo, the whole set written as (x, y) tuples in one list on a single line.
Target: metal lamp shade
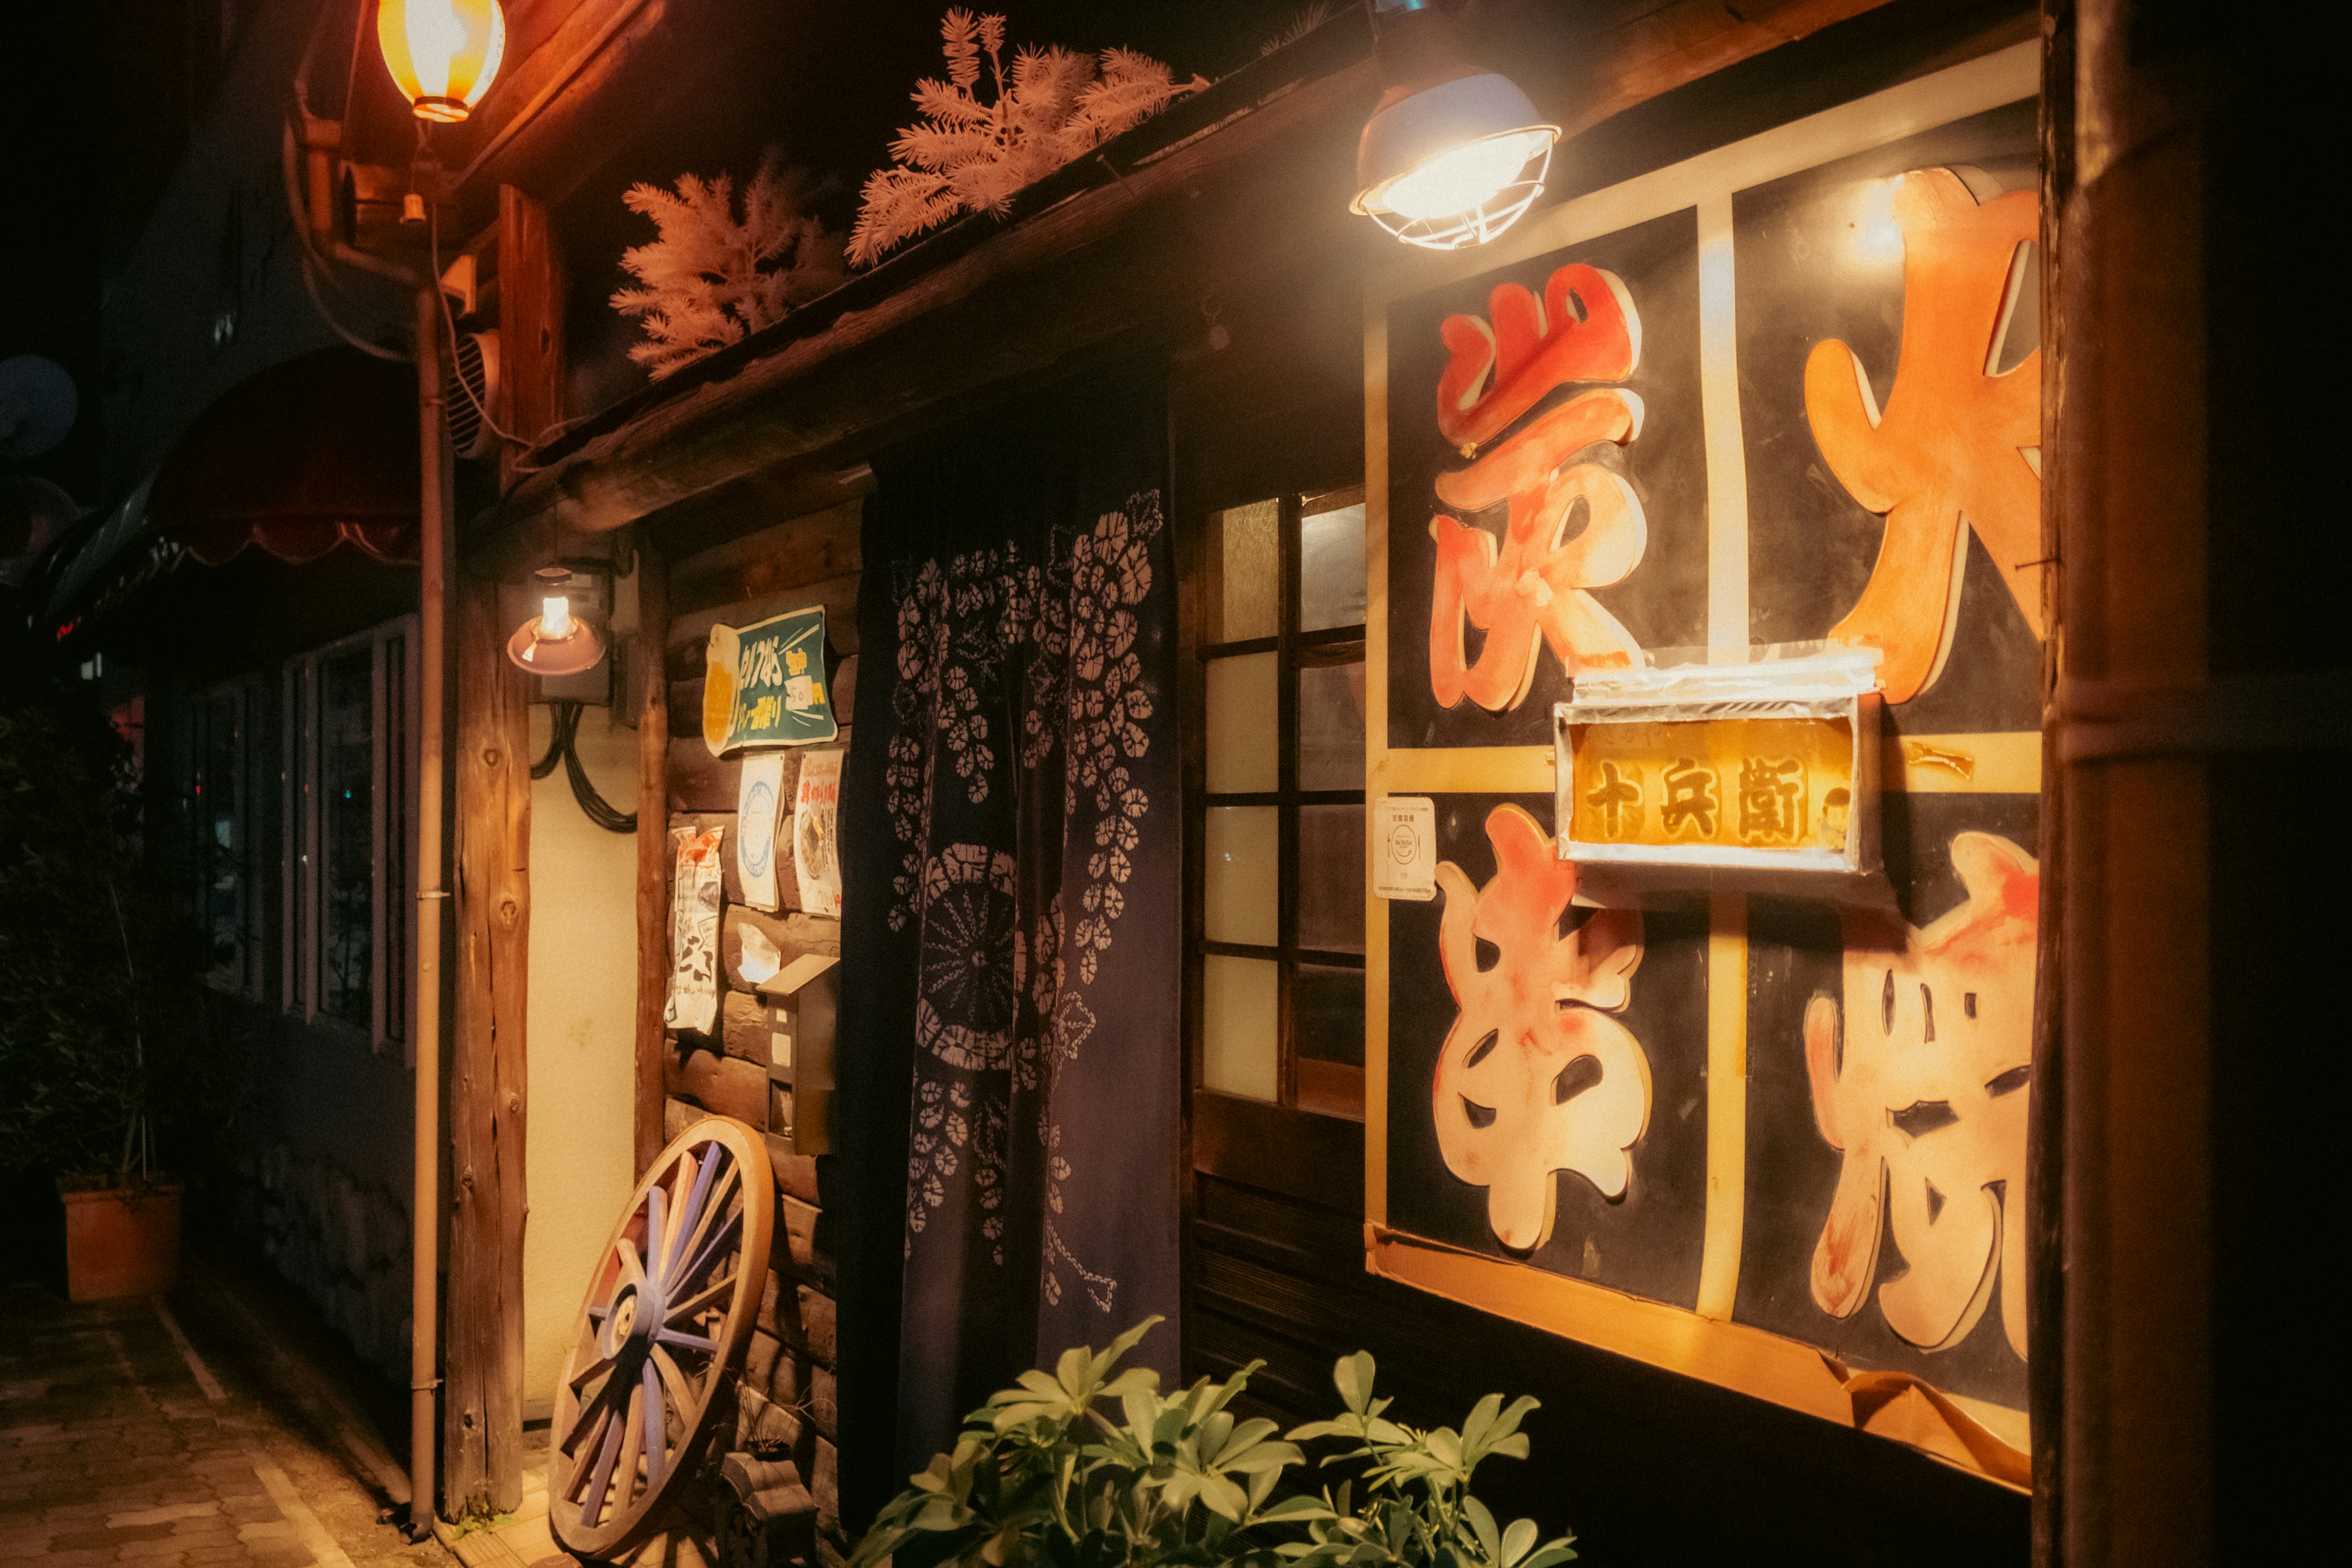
[(1453, 119), (443, 54), (555, 656)]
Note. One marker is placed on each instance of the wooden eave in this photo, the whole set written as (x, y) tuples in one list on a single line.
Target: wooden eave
[(1228, 186), (1241, 183)]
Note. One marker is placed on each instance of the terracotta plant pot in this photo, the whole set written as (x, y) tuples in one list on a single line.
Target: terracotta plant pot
[(122, 1241)]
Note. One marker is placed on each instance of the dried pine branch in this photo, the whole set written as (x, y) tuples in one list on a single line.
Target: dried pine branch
[(970, 154), (712, 277)]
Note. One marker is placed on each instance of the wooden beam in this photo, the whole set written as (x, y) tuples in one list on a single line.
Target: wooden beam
[(1641, 49), (653, 848), (1259, 196), (1073, 277), (531, 326), (481, 1466)]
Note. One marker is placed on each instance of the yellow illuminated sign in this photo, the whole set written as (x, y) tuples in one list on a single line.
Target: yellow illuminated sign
[(1733, 784)]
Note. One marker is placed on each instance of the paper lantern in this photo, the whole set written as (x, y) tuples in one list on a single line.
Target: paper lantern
[(443, 54)]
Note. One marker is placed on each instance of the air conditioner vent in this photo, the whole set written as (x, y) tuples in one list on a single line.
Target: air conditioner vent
[(470, 386)]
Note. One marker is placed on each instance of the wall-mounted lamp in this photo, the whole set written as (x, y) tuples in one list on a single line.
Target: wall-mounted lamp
[(1453, 154), (555, 641), (443, 54)]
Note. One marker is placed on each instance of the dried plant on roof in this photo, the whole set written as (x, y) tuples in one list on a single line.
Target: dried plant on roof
[(969, 155), (1303, 21), (713, 276)]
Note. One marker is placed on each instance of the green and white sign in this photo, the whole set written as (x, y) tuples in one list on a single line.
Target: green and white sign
[(764, 685)]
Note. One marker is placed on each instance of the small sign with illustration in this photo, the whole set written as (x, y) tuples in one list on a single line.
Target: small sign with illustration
[(1404, 861), (757, 803), (816, 854), (764, 685)]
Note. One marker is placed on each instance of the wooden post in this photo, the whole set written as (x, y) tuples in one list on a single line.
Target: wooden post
[(530, 325), (482, 1413), (653, 847), (2204, 687)]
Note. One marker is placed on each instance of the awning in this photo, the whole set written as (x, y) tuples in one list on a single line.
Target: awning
[(310, 454)]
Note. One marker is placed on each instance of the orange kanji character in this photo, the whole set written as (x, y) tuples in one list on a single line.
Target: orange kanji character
[(1536, 1077), (1534, 584), (1585, 330), (1923, 1078), (1951, 441)]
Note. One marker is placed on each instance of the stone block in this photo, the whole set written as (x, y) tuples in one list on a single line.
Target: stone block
[(823, 1408), (825, 1486), (817, 1321)]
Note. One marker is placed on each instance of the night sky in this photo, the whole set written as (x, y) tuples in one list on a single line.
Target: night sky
[(116, 84)]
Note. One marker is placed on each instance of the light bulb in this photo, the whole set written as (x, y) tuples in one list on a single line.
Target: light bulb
[(554, 618), (1877, 234), (1460, 180)]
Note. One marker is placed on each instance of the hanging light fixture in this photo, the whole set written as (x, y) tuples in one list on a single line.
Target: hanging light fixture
[(555, 641), (1453, 154), (443, 54)]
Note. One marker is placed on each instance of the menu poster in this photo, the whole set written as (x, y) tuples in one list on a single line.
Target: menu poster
[(816, 854)]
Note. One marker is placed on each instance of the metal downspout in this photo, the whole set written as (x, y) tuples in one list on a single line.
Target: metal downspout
[(432, 902)]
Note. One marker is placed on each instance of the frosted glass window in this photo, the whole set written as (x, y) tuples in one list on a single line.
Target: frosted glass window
[(1245, 724), (1242, 845), (1330, 878), (1329, 1006), (1332, 727), (1332, 568), (1239, 1038), (1246, 587)]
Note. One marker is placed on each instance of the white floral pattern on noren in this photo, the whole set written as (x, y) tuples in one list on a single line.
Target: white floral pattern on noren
[(1002, 1008)]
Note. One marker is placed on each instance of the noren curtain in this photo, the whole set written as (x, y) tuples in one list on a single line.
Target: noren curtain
[(1009, 1052)]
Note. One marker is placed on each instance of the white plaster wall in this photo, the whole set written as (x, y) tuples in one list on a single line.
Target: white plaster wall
[(582, 1006)]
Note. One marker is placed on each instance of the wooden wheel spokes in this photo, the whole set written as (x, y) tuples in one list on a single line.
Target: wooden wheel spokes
[(670, 1308)]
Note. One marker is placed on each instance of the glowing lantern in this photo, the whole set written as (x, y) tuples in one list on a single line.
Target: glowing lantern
[(443, 54), (555, 641), (1453, 154)]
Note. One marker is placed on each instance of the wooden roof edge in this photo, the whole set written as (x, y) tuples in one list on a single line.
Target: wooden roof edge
[(1064, 212), (662, 451)]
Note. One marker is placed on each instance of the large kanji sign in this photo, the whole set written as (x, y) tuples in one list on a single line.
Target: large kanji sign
[(1709, 628)]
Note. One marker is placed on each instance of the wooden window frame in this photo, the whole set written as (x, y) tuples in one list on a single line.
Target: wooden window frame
[(392, 648), (1295, 649), (193, 738)]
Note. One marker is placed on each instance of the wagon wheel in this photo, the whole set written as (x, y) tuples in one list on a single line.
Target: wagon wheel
[(669, 1310)]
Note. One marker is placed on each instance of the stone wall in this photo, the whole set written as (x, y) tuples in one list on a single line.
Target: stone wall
[(341, 1241)]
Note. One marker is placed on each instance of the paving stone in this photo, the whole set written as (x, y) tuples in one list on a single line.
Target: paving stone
[(109, 1455)]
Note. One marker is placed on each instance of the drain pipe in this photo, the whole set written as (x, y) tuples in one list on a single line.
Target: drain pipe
[(432, 903)]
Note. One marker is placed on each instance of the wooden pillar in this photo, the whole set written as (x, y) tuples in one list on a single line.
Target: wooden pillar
[(2202, 687), (531, 326), (653, 847), (482, 1408)]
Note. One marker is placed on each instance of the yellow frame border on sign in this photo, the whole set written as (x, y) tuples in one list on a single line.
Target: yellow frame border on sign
[(1988, 1439)]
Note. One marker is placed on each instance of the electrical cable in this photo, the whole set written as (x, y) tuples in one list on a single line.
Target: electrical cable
[(450, 323), (562, 744)]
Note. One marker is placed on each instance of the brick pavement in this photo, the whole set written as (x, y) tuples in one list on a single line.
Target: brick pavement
[(120, 1446)]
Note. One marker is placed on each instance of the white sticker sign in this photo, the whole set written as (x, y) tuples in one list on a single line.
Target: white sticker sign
[(1404, 847), (759, 800)]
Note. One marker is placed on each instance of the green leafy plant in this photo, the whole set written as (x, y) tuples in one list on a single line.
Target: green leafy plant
[(103, 1030), (1417, 1506), (1090, 1467)]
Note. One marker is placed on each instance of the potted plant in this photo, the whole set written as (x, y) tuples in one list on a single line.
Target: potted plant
[(101, 1024), (1087, 1466)]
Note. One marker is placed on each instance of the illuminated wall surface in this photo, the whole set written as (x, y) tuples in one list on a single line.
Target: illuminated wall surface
[(1786, 392), (582, 1053)]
